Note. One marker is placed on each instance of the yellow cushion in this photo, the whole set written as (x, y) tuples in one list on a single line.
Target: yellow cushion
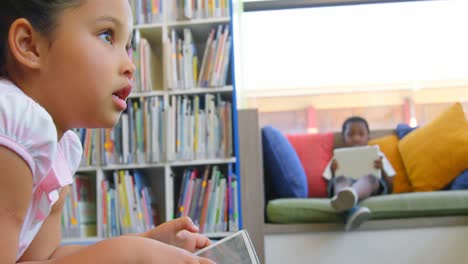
[(389, 146), (436, 153)]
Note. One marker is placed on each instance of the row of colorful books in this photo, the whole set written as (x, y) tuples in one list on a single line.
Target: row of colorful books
[(198, 9), (151, 11), (79, 211), (142, 57), (127, 204), (147, 11), (184, 72), (186, 128), (90, 140), (200, 127), (138, 136), (210, 198)]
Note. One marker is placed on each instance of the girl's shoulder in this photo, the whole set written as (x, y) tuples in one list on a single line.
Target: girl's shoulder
[(17, 106), (27, 129), (70, 146)]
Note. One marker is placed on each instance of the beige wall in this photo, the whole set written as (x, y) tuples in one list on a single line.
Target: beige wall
[(291, 102), (383, 109)]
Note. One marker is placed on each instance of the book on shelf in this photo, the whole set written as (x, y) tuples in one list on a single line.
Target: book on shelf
[(128, 204), (147, 11), (137, 137), (91, 141), (188, 128), (199, 128), (209, 201), (184, 72), (79, 211), (198, 9)]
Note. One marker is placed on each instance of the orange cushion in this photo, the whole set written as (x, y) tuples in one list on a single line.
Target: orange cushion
[(436, 153), (389, 146)]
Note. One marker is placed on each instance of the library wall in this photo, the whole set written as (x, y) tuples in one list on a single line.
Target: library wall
[(331, 120)]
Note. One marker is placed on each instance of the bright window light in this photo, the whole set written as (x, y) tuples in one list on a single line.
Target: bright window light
[(327, 49)]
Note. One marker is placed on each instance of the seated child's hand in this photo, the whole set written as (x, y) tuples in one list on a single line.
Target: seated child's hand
[(378, 164), (181, 232), (334, 166)]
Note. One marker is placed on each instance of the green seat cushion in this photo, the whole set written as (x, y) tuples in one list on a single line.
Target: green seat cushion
[(407, 205)]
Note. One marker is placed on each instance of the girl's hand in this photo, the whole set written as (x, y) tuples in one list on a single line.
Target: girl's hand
[(156, 252), (176, 255), (181, 232), (378, 163)]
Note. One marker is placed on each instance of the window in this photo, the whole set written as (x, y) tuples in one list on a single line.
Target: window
[(308, 69)]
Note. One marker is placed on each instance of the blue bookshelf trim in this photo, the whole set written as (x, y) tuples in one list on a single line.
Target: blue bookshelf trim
[(235, 124)]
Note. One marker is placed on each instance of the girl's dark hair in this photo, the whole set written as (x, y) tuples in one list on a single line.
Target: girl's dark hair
[(42, 14), (354, 119)]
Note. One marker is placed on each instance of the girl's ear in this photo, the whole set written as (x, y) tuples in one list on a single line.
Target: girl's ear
[(24, 42)]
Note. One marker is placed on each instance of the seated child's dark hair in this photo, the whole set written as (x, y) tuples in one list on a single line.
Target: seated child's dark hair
[(354, 119), (42, 14)]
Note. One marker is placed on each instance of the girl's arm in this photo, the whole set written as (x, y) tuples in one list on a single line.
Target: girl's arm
[(15, 195), (47, 242), (127, 249), (46, 245)]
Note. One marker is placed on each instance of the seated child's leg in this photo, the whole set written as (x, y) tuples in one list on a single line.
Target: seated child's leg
[(366, 186), (355, 217), (341, 182), (345, 197)]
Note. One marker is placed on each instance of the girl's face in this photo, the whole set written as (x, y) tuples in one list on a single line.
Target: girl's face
[(356, 134), (86, 72)]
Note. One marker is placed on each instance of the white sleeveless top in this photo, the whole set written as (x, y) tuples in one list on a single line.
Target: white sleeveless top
[(27, 129)]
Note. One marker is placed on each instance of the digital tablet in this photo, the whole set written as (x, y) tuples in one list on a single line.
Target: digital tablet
[(234, 249), (355, 162)]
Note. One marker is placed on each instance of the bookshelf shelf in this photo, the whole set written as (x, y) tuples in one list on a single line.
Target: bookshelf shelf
[(147, 94), (87, 169), (152, 32), (200, 28), (224, 90), (155, 26), (171, 116), (202, 21), (81, 241), (132, 166), (202, 162), (159, 165)]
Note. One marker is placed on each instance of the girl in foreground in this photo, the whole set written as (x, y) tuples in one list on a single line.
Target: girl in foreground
[(66, 64)]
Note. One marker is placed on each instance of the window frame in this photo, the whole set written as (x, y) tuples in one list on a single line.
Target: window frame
[(264, 5)]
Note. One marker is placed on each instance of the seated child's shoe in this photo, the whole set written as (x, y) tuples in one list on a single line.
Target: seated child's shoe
[(344, 200), (356, 216)]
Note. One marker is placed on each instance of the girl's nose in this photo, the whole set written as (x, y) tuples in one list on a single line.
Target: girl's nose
[(129, 68)]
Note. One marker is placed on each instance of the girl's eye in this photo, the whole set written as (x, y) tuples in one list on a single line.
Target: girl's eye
[(106, 36)]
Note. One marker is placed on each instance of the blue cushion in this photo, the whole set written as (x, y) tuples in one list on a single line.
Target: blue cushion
[(461, 182), (403, 129), (284, 175)]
